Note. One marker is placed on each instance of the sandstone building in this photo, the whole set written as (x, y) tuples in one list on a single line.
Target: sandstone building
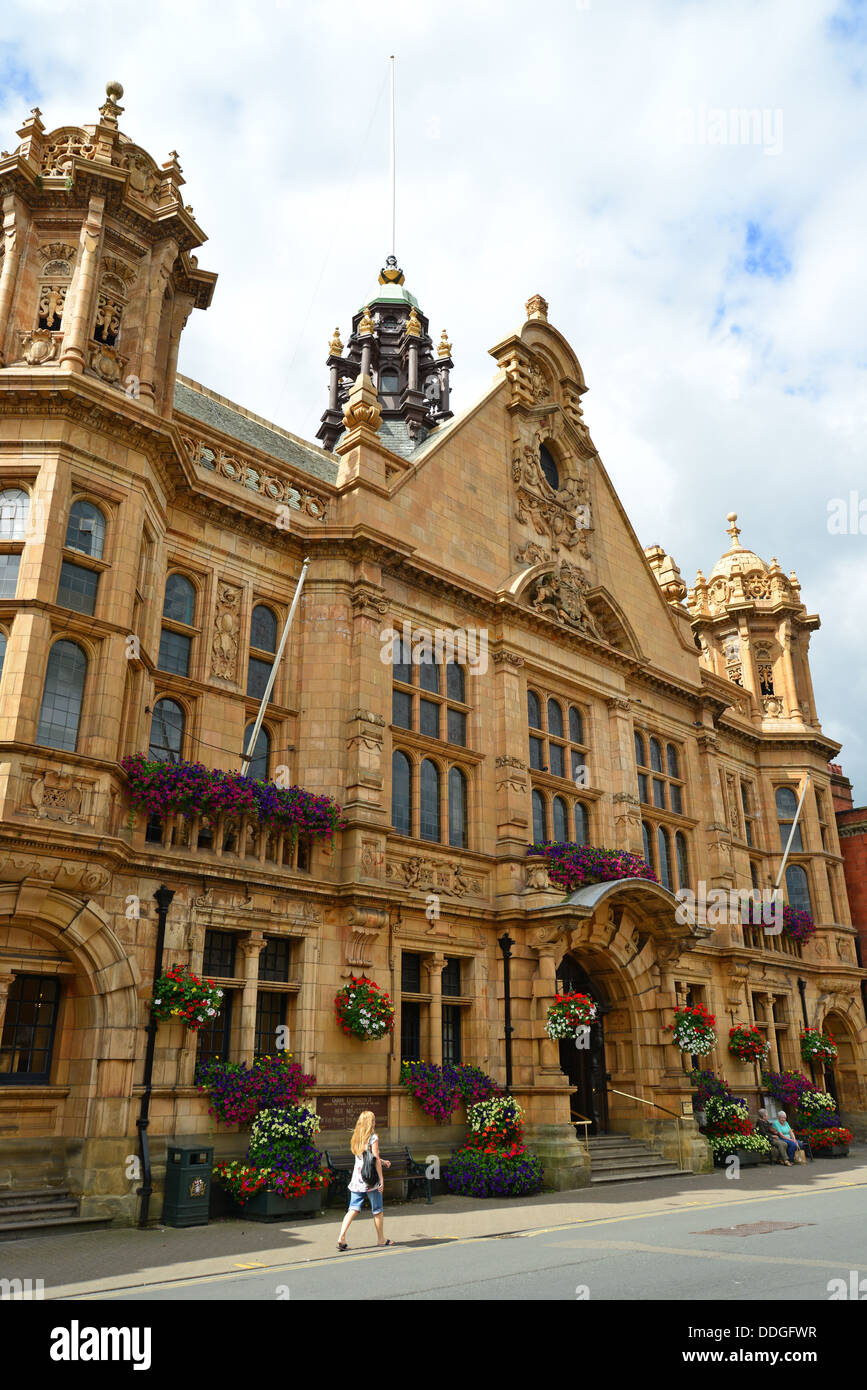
[(151, 537)]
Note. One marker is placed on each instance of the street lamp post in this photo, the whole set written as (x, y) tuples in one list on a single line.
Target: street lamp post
[(163, 897), (506, 943)]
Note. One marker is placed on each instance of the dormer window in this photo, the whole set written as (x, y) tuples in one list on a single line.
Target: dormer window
[(549, 467)]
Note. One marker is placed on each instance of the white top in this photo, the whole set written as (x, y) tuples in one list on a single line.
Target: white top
[(356, 1183)]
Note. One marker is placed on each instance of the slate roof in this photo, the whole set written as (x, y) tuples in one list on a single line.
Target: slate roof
[(233, 420)]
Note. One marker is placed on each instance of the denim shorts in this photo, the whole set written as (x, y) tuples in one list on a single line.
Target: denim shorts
[(356, 1200)]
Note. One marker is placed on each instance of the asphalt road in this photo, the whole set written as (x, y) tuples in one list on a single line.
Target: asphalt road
[(687, 1254)]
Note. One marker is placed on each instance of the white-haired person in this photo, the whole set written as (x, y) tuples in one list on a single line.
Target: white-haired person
[(787, 1134), (363, 1141)]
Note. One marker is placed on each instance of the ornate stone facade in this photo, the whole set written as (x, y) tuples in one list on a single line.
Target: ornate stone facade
[(504, 524)]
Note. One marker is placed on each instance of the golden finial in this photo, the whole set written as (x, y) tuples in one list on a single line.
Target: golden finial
[(445, 347), (335, 347), (413, 327), (366, 322), (734, 531)]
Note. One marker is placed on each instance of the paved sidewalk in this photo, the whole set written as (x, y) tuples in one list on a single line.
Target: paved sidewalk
[(97, 1261)]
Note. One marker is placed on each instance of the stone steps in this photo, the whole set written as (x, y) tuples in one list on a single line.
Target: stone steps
[(617, 1158), (26, 1211)]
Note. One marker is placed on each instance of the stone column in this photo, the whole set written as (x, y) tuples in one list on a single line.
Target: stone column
[(15, 223), (435, 967), (5, 985), (792, 702), (251, 948), (82, 292), (163, 259), (544, 990), (622, 776)]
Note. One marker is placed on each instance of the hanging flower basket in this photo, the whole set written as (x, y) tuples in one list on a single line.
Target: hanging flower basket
[(364, 1010), (571, 866), (817, 1047), (569, 1015), (693, 1030), (797, 923), (179, 994), (191, 789), (748, 1043)]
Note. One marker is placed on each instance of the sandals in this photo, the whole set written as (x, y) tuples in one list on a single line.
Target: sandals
[(384, 1244), (342, 1246)]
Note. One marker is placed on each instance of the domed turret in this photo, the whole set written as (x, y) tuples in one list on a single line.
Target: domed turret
[(390, 343)]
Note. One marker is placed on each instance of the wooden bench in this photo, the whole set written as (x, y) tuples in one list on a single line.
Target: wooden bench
[(404, 1169)]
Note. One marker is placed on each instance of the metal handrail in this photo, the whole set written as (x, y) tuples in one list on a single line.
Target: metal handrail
[(665, 1110), (585, 1124)]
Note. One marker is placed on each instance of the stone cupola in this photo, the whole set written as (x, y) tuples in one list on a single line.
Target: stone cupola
[(390, 344), (754, 630), (97, 271)]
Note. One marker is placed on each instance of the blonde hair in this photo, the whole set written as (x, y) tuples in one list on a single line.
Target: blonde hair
[(364, 1127)]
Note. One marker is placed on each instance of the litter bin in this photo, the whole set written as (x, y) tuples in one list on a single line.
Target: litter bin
[(188, 1185)]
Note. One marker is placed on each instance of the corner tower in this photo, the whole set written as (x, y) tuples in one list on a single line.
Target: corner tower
[(390, 343), (97, 274), (753, 629)]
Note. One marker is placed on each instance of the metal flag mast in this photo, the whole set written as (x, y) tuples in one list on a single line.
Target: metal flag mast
[(393, 182), (792, 832), (257, 727)]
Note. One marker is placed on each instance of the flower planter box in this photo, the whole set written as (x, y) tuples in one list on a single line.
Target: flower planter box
[(270, 1206), (748, 1158), (838, 1151)]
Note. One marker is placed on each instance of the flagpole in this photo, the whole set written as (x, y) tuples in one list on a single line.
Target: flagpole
[(257, 727), (792, 833), (393, 178)]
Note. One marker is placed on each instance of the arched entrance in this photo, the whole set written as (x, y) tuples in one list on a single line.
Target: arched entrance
[(841, 1076), (585, 1065)]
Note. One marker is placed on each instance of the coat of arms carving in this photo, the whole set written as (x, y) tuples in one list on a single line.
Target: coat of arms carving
[(561, 595)]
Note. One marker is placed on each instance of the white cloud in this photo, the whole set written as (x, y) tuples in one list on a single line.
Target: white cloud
[(538, 150)]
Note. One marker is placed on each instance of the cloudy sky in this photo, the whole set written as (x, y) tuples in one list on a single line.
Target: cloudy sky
[(709, 273)]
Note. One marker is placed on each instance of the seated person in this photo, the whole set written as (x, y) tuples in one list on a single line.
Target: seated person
[(778, 1145), (785, 1131)]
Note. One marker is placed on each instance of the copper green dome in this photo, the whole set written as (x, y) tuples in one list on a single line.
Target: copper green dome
[(390, 294)]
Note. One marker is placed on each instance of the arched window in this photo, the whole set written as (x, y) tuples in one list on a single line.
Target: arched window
[(14, 511), (671, 758), (455, 683), (582, 824), (682, 860), (655, 755), (167, 732), (457, 808), (576, 725), (401, 793), (560, 820), (62, 697), (640, 756), (648, 844), (540, 819), (798, 888), (402, 660), (429, 787), (555, 719), (2, 651), (534, 710), (664, 857), (263, 629), (263, 636), (179, 605), (787, 809), (549, 467), (85, 530), (258, 769)]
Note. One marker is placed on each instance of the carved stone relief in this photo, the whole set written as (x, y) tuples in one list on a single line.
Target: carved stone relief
[(225, 642), (561, 595), (553, 513), (429, 874)]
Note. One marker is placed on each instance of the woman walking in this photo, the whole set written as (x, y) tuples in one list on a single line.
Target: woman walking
[(365, 1142)]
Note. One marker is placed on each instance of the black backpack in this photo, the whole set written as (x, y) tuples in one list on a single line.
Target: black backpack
[(369, 1174)]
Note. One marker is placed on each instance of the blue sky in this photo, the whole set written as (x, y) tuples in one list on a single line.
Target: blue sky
[(713, 288)]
